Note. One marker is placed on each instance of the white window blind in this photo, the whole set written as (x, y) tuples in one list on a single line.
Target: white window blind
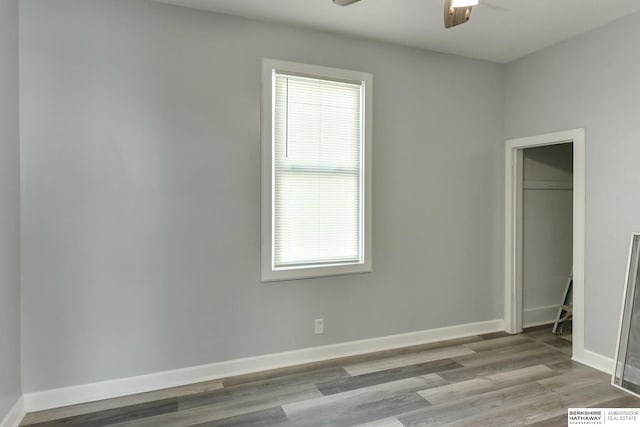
[(317, 200)]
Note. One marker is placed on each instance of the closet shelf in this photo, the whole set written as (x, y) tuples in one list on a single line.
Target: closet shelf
[(547, 185)]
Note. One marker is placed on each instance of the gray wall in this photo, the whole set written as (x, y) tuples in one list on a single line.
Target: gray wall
[(141, 192), (9, 209), (591, 81), (547, 230)]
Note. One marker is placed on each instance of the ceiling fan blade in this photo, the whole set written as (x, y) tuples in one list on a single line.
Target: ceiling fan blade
[(455, 15), (344, 2)]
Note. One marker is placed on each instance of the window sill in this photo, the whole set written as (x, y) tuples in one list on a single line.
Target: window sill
[(269, 275)]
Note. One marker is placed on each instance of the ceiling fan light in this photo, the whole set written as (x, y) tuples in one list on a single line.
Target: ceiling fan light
[(463, 3), (344, 2)]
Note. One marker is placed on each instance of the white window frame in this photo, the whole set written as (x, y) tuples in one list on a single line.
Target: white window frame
[(269, 273)]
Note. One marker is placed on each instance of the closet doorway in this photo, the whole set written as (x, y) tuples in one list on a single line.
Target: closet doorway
[(547, 233), (544, 231)]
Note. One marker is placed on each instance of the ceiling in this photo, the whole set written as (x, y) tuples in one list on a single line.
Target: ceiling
[(499, 30)]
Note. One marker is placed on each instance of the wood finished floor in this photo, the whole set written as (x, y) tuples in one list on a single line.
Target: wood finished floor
[(488, 380)]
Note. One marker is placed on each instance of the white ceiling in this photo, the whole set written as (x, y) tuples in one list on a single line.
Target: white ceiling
[(499, 30)]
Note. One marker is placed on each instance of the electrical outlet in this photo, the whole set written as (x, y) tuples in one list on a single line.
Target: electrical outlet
[(318, 326)]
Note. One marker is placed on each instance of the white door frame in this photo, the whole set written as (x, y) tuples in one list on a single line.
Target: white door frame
[(513, 283)]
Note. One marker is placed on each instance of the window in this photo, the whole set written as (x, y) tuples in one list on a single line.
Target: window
[(316, 171)]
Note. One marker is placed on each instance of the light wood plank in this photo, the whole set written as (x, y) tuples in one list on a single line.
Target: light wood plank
[(464, 389), (360, 396), (407, 359), (385, 422), (363, 413), (530, 349), (490, 367), (497, 343), (345, 384), (266, 417), (471, 406)]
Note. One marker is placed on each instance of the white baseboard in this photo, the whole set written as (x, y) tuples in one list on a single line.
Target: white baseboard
[(15, 415), (596, 361), (537, 316), (47, 399)]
